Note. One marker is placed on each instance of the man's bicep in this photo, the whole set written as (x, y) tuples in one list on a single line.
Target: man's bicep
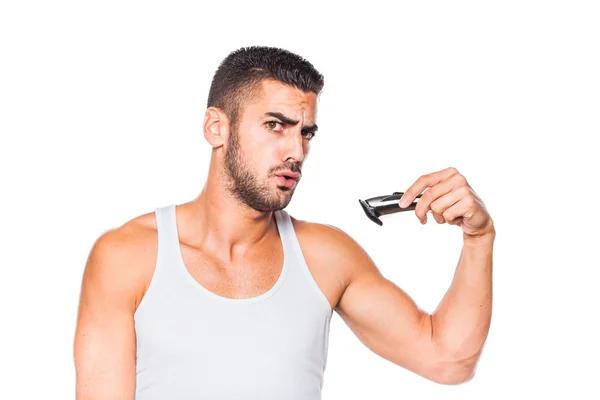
[(104, 345), (386, 319)]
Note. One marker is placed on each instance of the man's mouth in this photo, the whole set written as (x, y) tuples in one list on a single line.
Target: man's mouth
[(286, 181), (290, 175)]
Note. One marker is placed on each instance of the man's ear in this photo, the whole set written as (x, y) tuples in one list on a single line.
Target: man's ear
[(216, 126)]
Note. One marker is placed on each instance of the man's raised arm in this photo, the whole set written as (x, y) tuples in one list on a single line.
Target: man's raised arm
[(446, 345)]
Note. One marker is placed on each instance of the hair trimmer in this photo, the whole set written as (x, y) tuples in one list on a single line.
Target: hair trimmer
[(382, 205)]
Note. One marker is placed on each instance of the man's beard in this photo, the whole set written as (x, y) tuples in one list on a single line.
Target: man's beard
[(244, 185)]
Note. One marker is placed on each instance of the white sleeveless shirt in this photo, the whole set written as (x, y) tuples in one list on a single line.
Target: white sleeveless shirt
[(195, 344)]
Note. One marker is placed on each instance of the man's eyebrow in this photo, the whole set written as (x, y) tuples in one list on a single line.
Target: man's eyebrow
[(289, 121)]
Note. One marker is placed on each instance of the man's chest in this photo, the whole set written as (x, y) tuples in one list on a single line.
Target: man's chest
[(256, 275)]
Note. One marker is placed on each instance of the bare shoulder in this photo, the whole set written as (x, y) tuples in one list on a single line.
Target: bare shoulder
[(118, 268), (123, 258), (332, 253), (328, 238)]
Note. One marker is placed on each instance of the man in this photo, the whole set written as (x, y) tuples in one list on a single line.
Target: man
[(229, 297)]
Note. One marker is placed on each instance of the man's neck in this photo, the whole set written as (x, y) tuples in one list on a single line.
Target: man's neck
[(222, 225)]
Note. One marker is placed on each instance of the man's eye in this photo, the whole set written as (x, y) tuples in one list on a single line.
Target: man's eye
[(310, 134), (273, 125)]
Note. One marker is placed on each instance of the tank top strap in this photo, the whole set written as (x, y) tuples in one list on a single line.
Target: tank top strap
[(297, 262), (283, 221), (167, 235), (164, 252), (288, 237)]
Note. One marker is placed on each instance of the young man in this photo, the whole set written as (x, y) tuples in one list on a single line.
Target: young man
[(228, 296)]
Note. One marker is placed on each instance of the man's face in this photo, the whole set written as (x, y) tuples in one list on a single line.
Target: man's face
[(272, 137)]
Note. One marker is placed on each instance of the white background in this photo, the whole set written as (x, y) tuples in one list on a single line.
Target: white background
[(101, 110)]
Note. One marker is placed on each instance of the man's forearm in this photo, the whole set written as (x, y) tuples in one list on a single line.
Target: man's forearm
[(461, 322)]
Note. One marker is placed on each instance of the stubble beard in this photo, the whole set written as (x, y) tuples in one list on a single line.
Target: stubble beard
[(241, 183)]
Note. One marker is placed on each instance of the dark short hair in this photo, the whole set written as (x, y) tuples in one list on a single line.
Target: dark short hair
[(240, 73)]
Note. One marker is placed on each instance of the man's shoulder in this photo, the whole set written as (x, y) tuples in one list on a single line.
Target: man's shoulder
[(128, 239), (124, 257), (330, 245), (324, 235)]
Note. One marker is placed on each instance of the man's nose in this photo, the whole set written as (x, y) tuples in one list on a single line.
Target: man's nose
[(296, 146)]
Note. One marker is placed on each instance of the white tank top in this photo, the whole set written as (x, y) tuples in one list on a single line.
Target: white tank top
[(195, 344)]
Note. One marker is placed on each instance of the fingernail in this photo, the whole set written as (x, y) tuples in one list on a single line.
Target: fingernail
[(403, 202)]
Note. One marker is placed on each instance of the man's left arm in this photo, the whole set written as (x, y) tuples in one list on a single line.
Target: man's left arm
[(443, 346), (462, 319)]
